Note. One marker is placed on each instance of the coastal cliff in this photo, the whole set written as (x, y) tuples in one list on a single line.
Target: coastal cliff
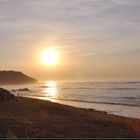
[(15, 77)]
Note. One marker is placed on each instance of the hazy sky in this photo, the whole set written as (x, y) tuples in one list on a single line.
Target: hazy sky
[(96, 39)]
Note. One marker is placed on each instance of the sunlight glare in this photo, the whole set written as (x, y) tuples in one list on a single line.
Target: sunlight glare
[(51, 89), (50, 57)]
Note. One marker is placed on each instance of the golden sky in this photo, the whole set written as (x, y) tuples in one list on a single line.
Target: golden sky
[(94, 39)]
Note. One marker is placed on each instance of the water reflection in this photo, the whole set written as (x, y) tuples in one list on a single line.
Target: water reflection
[(51, 84), (51, 90)]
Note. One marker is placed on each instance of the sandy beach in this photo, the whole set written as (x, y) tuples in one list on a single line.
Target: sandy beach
[(32, 118)]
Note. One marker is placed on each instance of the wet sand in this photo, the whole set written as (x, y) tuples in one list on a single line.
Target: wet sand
[(33, 118)]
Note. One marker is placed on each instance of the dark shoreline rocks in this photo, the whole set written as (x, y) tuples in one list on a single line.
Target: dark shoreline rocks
[(5, 95), (22, 90)]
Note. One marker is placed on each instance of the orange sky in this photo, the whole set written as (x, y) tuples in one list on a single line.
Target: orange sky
[(95, 40)]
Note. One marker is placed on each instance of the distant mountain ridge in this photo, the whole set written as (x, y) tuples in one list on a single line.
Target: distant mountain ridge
[(15, 77)]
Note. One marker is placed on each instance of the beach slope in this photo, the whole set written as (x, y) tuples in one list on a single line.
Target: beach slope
[(32, 118)]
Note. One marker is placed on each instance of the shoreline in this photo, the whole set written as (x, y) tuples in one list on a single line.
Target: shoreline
[(74, 104), (24, 117)]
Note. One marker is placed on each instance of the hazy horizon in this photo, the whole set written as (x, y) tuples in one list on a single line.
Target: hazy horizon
[(95, 39)]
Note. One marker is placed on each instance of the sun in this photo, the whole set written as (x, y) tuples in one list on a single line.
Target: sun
[(49, 57)]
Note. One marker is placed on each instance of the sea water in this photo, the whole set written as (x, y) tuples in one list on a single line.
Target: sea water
[(119, 98)]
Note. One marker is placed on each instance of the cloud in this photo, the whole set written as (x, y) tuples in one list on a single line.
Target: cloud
[(92, 27)]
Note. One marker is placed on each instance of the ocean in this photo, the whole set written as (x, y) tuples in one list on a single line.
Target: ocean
[(119, 98)]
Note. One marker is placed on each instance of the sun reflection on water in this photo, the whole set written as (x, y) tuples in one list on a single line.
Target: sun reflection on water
[(51, 90)]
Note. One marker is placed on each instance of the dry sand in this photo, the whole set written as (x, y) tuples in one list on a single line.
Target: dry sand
[(32, 118)]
